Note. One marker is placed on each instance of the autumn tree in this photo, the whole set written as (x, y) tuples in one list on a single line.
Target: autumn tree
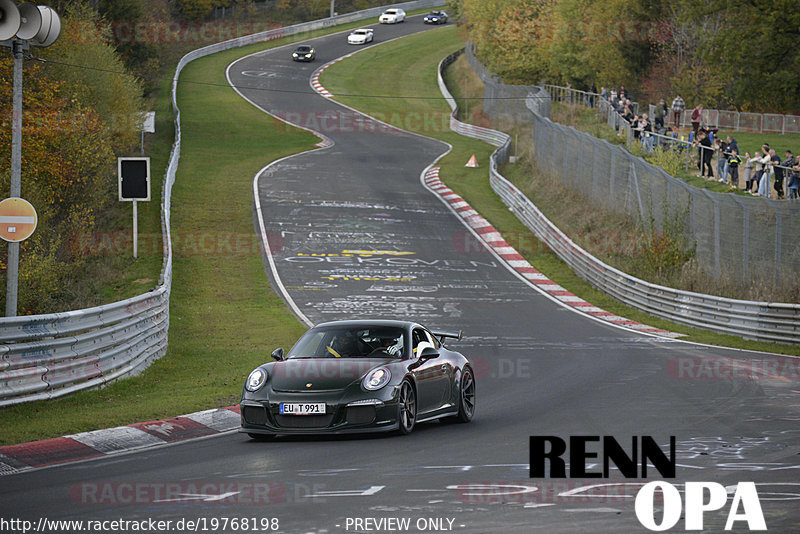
[(79, 112), (93, 75), (576, 41), (757, 50)]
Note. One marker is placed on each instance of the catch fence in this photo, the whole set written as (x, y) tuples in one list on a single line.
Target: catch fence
[(735, 236)]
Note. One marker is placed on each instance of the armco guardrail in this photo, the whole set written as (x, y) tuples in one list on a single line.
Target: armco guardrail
[(48, 356), (763, 321)]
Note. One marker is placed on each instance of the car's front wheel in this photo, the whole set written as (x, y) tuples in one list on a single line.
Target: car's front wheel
[(408, 408)]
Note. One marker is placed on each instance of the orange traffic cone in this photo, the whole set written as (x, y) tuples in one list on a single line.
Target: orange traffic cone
[(472, 162)]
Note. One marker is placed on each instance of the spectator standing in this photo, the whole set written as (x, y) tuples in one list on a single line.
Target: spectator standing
[(678, 107), (733, 166), (623, 93), (721, 148), (627, 112), (732, 144), (777, 171), (794, 180), (593, 90), (697, 116), (758, 168), (748, 172), (603, 93), (704, 153), (789, 164), (647, 132), (766, 173)]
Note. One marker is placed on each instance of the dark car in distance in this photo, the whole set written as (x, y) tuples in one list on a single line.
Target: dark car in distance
[(359, 376), (435, 17), (304, 53)]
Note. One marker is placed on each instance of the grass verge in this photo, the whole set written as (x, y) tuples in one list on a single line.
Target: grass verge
[(415, 59)]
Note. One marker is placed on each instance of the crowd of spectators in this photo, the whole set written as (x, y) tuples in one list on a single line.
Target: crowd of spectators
[(643, 126), (762, 169)]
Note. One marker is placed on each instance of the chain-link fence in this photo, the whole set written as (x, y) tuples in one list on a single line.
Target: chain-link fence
[(743, 239), (507, 102)]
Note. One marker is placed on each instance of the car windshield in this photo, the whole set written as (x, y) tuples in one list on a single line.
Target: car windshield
[(390, 12), (360, 32), (350, 342), (304, 49)]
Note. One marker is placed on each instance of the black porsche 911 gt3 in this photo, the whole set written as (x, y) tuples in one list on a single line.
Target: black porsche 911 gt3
[(304, 53), (359, 376)]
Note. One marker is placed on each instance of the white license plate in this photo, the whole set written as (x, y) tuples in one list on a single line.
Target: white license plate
[(302, 408)]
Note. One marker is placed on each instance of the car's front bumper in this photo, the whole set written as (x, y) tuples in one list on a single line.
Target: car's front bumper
[(372, 413)]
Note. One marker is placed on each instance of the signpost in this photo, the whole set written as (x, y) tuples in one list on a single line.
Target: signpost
[(134, 185)]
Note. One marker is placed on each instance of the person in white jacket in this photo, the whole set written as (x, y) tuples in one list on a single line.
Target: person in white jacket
[(766, 175)]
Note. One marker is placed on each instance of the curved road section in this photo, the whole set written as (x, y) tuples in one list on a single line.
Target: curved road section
[(352, 233)]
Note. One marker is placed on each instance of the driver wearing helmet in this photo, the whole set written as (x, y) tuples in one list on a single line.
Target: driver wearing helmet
[(393, 344)]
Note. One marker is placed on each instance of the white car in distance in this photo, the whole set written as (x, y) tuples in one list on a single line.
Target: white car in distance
[(392, 16), (360, 36)]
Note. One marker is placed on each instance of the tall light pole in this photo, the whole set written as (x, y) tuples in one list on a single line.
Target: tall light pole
[(20, 27), (333, 2)]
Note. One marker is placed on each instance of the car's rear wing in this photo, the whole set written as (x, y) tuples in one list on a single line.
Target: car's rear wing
[(442, 335)]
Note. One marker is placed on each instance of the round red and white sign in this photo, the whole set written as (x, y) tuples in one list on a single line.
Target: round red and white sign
[(17, 219)]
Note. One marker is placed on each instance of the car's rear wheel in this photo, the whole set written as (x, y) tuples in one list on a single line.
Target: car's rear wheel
[(466, 398), (408, 408)]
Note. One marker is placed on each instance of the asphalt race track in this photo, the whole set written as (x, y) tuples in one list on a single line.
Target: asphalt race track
[(353, 234)]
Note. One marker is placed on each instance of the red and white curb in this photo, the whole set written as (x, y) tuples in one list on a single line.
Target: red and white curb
[(109, 441), (315, 76), (495, 241)]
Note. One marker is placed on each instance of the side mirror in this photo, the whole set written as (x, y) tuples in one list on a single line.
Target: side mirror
[(428, 353), (277, 354)]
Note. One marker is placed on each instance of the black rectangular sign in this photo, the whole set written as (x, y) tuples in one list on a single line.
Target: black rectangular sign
[(134, 178)]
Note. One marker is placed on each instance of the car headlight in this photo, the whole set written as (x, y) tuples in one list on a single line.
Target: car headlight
[(308, 55), (256, 379), (377, 378), (294, 54)]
